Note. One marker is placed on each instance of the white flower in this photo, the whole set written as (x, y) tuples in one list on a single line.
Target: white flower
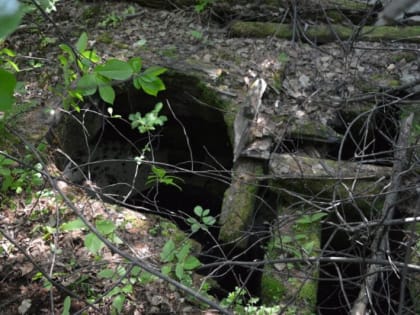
[(8, 7)]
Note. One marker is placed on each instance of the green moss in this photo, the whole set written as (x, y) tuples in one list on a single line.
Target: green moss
[(170, 52), (235, 221), (385, 80), (239, 202), (335, 16), (272, 290), (91, 12), (105, 38), (326, 33), (308, 293), (366, 190), (211, 97), (389, 33), (407, 55)]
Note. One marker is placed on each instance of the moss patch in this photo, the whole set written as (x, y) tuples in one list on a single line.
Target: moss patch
[(272, 290), (308, 293)]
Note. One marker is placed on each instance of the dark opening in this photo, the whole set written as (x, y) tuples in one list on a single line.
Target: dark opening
[(194, 146), (340, 283), (370, 139)]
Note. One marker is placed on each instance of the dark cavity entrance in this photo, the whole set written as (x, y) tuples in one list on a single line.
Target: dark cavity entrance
[(192, 145), (370, 138)]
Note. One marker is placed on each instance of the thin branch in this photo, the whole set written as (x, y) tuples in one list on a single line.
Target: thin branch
[(138, 262), (380, 244)]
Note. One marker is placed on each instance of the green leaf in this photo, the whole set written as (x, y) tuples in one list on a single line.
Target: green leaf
[(8, 52), (191, 263), (301, 237), (6, 161), (73, 225), (140, 43), (198, 210), (209, 220), (81, 43), (9, 22), (154, 71), (196, 34), (309, 247), (166, 270), (191, 221), (115, 69), (66, 306), (7, 87), (91, 55), (158, 171), (13, 65), (286, 239), (5, 172), (183, 252), (116, 240), (146, 278), (137, 83), (6, 102), (151, 85), (107, 94), (88, 84), (135, 64), (135, 271), (93, 243), (106, 273), (179, 271), (114, 291), (195, 227), (128, 288), (7, 183), (318, 216), (307, 219), (168, 251), (67, 49), (105, 226), (121, 271)]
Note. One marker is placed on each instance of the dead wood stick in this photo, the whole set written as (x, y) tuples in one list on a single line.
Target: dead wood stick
[(380, 244)]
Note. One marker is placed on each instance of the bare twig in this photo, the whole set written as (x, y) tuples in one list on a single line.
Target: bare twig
[(135, 261), (380, 244)]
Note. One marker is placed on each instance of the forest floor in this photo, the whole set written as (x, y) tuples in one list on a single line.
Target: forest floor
[(124, 30)]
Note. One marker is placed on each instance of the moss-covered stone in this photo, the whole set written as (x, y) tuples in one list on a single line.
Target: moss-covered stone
[(282, 282), (314, 131), (383, 80), (325, 33), (409, 56), (239, 202), (318, 177)]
